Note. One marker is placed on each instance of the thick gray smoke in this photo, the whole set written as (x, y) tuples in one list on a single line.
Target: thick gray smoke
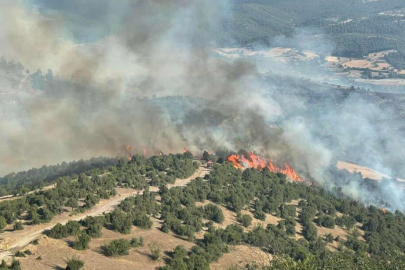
[(143, 73)]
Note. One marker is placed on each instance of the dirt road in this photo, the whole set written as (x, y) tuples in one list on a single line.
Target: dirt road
[(12, 197), (19, 239)]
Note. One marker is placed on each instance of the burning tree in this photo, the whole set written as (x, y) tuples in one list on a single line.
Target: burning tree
[(256, 162)]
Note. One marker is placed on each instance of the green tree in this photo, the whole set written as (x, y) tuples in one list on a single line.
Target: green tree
[(290, 229), (18, 226), (356, 233), (329, 238), (94, 230), (310, 232), (116, 247), (73, 203), (214, 213), (3, 223), (15, 265), (326, 221), (82, 242), (246, 220), (3, 265), (74, 263), (58, 231)]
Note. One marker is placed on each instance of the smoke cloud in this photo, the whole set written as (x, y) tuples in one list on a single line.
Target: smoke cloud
[(144, 73)]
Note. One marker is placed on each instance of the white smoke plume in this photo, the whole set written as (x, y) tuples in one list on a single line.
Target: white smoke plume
[(143, 73)]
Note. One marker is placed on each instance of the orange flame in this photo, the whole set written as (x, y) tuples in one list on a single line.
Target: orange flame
[(234, 159), (291, 173), (144, 152), (256, 162), (128, 149), (185, 150), (384, 210)]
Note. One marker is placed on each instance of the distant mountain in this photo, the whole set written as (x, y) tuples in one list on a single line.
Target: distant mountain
[(357, 27)]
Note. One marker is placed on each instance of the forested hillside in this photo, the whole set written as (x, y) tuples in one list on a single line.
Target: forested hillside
[(314, 229), (357, 27), (22, 182), (80, 186)]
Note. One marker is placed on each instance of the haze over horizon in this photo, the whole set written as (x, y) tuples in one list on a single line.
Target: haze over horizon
[(109, 61)]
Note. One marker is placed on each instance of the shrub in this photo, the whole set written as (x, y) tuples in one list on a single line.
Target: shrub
[(74, 263), (288, 211), (155, 251), (72, 227), (329, 238), (310, 232), (260, 215), (246, 220), (58, 231), (3, 265), (214, 213), (326, 221), (142, 220), (290, 229), (117, 247), (94, 230), (356, 233), (15, 265), (135, 242), (19, 254), (82, 242), (3, 223), (18, 226)]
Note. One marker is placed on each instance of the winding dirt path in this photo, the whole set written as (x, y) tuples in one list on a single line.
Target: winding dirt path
[(19, 239)]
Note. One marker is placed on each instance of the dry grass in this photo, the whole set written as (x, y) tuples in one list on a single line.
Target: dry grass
[(19, 239), (240, 256), (53, 252), (365, 172), (230, 217), (359, 64)]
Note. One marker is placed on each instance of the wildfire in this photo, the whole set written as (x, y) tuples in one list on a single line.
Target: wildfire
[(254, 161), (384, 210), (128, 149)]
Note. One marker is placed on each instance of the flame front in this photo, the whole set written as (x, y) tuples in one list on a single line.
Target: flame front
[(185, 150), (256, 162), (128, 149)]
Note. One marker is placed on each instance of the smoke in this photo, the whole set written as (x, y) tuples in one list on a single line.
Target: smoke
[(143, 73)]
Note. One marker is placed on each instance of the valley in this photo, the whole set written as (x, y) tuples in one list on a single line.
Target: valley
[(198, 135)]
